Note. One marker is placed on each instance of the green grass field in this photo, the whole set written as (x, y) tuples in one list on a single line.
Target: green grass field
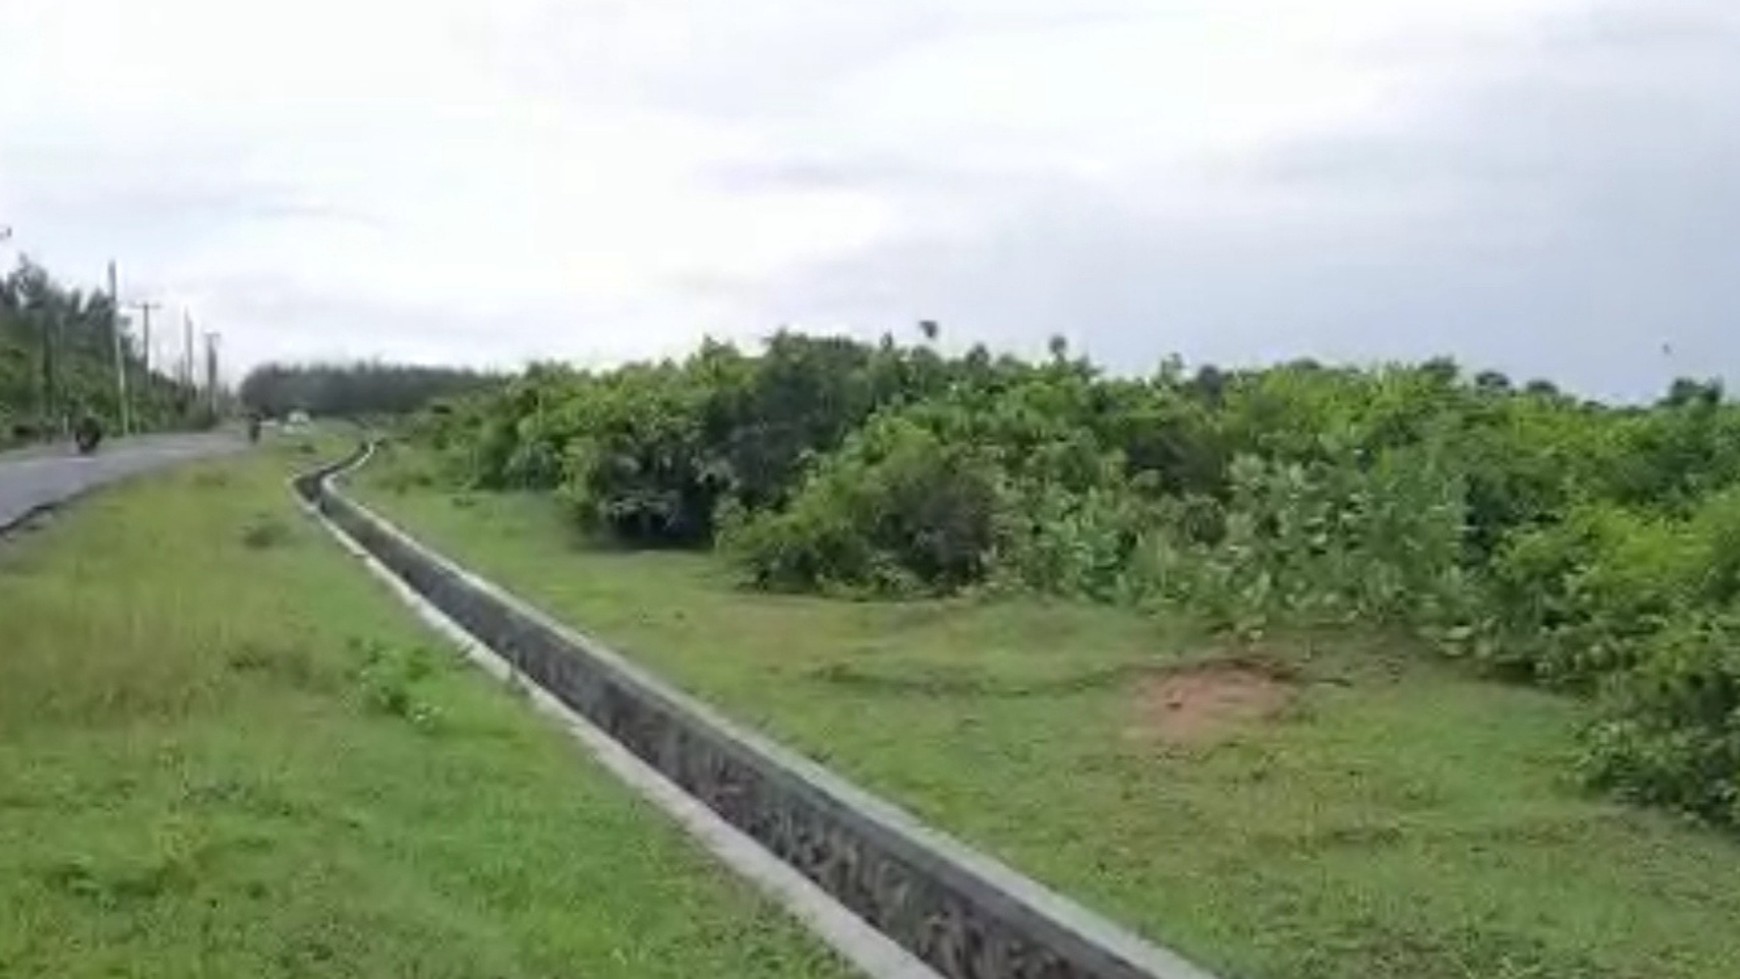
[(226, 751), (1396, 819)]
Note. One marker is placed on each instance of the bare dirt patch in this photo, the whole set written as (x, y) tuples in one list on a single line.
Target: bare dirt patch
[(1205, 704)]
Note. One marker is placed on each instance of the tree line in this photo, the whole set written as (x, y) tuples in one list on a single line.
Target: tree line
[(354, 389), (1588, 547), (57, 361)]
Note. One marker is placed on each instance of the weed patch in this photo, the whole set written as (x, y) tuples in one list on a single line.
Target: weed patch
[(210, 479), (387, 679), (115, 884), (265, 532), (291, 664)]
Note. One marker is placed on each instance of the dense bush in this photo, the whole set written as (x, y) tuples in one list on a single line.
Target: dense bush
[(1592, 547), (1581, 595), (897, 510), (1584, 597), (1319, 541), (1672, 731), (637, 465)]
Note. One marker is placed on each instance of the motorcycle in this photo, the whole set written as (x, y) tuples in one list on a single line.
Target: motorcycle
[(87, 435)]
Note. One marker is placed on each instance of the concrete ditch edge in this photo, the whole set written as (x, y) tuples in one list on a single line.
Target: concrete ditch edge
[(961, 912), (853, 939)]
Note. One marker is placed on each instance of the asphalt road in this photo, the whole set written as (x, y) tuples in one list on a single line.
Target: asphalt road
[(40, 477)]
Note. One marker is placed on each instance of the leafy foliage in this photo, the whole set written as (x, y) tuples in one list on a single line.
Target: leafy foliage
[(636, 465), (1318, 541), (57, 361), (898, 509), (1673, 734), (1586, 546)]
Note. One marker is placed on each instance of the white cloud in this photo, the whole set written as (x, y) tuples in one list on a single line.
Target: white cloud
[(488, 182)]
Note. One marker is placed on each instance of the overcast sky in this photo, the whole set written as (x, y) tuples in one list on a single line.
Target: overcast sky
[(1551, 187)]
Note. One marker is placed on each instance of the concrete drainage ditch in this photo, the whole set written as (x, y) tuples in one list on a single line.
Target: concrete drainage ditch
[(923, 896)]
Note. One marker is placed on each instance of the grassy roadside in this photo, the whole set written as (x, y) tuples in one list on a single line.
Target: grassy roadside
[(1398, 819), (225, 751)]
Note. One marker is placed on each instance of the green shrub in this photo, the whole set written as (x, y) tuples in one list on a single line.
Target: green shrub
[(265, 532), (1317, 541), (1671, 730), (1580, 599), (387, 677), (1070, 544), (1716, 524), (638, 468), (896, 511)]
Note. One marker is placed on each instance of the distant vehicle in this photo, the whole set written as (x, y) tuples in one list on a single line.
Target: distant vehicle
[(296, 420)]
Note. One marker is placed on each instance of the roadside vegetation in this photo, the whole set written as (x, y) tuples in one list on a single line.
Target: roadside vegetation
[(365, 389), (1310, 671), (57, 358), (225, 751), (1588, 548), (1313, 805)]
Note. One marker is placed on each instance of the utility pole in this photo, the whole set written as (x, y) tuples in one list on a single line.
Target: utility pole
[(120, 356), (145, 308), (145, 386), (187, 351), (48, 406), (211, 372)]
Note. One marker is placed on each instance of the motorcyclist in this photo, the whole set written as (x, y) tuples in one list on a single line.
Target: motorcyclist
[(87, 432)]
